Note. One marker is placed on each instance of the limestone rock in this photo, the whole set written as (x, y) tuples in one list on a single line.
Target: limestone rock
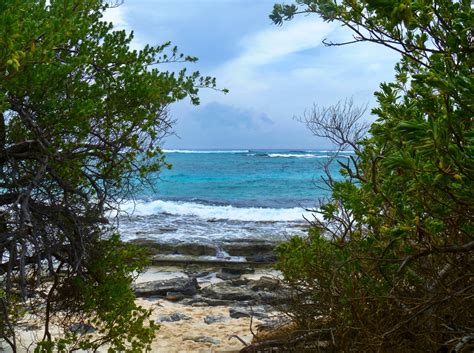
[(202, 339), (224, 291), (257, 312), (153, 248), (81, 328), (185, 286), (264, 283), (211, 319), (249, 247), (237, 270), (227, 276), (173, 317)]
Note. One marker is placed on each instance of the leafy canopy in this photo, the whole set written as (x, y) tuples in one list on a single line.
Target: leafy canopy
[(391, 268), (82, 115)]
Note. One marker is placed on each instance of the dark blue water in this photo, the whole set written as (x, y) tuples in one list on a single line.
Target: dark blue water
[(219, 195)]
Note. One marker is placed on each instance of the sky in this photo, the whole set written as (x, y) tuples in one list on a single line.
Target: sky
[(274, 74)]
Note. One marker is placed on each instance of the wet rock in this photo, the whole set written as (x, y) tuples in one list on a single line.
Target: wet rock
[(249, 248), (185, 286), (224, 291), (211, 319), (81, 329), (200, 274), (239, 281), (175, 296), (257, 312), (227, 276), (202, 339), (173, 317), (237, 270), (262, 258), (195, 249), (199, 300), (152, 247)]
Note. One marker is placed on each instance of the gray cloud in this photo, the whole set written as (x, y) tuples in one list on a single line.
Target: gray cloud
[(273, 73), (217, 115)]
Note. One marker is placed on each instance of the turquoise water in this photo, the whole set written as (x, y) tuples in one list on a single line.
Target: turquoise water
[(222, 195), (275, 178)]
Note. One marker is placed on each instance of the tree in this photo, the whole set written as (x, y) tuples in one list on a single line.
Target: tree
[(81, 120), (398, 274)]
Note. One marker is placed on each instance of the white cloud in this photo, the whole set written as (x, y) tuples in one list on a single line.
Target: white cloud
[(273, 44), (273, 74), (265, 62), (271, 71), (277, 42)]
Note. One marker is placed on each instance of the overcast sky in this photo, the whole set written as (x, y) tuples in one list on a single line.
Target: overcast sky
[(273, 73)]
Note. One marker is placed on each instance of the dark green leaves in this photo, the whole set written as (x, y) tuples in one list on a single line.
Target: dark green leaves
[(405, 273)]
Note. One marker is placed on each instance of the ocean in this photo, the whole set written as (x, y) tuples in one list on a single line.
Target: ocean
[(214, 196)]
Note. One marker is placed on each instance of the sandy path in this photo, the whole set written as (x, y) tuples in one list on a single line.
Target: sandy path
[(174, 337)]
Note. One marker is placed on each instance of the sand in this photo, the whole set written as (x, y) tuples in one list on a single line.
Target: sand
[(184, 336), (176, 336), (173, 337)]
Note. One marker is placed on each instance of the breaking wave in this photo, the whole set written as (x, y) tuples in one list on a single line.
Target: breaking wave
[(205, 151), (214, 212)]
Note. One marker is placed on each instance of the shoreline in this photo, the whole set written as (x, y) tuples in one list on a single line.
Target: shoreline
[(199, 308), (202, 302), (201, 322)]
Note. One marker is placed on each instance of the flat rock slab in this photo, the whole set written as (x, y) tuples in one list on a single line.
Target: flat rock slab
[(264, 283), (257, 251), (224, 291), (174, 317), (257, 312), (153, 247), (185, 286), (161, 260), (202, 339), (237, 270), (267, 258), (227, 276), (199, 300), (249, 248), (211, 319)]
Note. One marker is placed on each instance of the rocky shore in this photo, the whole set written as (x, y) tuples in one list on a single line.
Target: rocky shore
[(205, 298), (205, 309), (248, 250), (204, 302)]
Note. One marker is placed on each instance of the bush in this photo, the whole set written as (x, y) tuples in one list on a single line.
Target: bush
[(390, 267)]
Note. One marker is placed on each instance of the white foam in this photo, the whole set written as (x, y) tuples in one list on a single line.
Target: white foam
[(205, 151), (210, 212), (289, 155)]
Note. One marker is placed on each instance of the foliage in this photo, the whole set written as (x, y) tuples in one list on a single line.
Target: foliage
[(397, 275), (82, 115)]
